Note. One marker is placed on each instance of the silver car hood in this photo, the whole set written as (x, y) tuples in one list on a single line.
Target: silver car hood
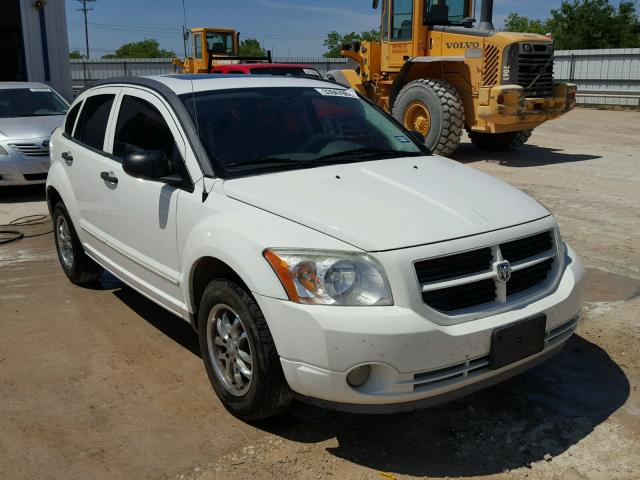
[(26, 128)]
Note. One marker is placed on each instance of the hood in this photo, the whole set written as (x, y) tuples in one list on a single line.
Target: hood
[(390, 204), (26, 128)]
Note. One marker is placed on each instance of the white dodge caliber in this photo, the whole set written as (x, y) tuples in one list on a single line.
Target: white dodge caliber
[(318, 248)]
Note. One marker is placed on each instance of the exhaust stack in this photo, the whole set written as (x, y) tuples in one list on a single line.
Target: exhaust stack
[(486, 15)]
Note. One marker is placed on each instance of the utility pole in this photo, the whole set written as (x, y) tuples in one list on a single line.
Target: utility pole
[(84, 11)]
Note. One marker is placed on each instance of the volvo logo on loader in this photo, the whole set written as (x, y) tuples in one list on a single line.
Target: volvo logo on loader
[(463, 44)]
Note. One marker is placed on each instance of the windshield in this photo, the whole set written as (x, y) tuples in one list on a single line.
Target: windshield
[(31, 102), (261, 130), (445, 12), (218, 42)]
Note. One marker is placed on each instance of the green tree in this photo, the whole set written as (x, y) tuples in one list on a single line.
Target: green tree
[(580, 24), (251, 47), (334, 41), (144, 49), (75, 54), (519, 23), (584, 24)]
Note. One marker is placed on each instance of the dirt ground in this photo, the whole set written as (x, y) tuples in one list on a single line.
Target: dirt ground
[(102, 384)]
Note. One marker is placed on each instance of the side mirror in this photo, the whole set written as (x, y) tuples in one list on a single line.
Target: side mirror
[(150, 165), (417, 136)]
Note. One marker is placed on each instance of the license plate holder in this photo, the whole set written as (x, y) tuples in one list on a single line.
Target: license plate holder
[(517, 341)]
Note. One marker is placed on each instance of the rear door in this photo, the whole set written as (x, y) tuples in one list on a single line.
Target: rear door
[(84, 157)]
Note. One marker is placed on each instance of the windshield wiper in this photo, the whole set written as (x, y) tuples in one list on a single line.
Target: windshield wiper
[(365, 154), (267, 163)]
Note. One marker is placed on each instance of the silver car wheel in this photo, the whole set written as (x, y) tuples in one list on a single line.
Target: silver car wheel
[(65, 245), (229, 349)]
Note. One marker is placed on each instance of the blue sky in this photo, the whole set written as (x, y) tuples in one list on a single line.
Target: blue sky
[(287, 27)]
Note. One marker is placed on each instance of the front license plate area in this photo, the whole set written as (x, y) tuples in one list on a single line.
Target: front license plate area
[(517, 341)]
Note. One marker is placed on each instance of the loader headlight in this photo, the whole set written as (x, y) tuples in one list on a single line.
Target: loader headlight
[(330, 277)]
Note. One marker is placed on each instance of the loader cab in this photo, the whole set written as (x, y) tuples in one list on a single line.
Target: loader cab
[(405, 26), (212, 44)]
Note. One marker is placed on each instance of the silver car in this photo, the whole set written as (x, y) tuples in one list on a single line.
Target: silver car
[(29, 112)]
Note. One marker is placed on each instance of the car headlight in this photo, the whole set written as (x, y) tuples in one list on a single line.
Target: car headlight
[(3, 151), (330, 277)]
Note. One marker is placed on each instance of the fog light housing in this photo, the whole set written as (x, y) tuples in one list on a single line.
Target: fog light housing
[(359, 375)]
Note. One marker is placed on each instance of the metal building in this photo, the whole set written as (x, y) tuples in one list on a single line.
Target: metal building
[(33, 43)]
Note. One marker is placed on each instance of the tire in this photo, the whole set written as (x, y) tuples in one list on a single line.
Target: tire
[(500, 141), (265, 393), (443, 127), (75, 263)]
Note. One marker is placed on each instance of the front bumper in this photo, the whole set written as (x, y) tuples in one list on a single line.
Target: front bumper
[(412, 359), (18, 169), (505, 107)]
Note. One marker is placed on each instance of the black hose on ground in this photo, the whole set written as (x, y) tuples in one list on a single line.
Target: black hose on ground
[(7, 236)]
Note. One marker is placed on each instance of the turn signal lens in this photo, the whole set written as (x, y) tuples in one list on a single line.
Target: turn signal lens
[(330, 277)]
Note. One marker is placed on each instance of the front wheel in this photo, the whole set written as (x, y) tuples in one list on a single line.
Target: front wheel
[(239, 354), (433, 108), (500, 141)]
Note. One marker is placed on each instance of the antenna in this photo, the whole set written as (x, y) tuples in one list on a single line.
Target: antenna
[(184, 28), (84, 11)]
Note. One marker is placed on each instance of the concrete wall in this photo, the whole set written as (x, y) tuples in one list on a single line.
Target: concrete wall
[(57, 44)]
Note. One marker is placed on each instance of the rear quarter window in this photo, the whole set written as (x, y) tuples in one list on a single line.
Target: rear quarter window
[(92, 124), (70, 121)]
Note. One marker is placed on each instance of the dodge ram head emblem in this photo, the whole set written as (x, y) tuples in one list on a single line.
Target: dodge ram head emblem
[(503, 269)]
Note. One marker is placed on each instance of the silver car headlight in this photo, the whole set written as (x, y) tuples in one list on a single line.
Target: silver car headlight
[(321, 277)]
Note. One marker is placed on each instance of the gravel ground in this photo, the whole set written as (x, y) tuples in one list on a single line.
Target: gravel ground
[(102, 384)]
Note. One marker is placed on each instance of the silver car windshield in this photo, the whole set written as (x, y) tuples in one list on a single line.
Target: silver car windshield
[(31, 102), (259, 130)]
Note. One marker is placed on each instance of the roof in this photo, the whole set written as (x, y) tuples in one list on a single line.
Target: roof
[(15, 85), (201, 82)]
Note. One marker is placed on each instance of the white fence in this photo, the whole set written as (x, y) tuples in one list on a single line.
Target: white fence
[(604, 77)]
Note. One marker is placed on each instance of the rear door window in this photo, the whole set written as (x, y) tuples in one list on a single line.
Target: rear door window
[(92, 124)]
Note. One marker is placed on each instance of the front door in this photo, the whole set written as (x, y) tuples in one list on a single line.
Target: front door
[(397, 33), (142, 213)]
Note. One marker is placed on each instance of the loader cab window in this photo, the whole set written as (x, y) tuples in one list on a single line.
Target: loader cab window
[(402, 20), (385, 20), (219, 43), (197, 43), (445, 12)]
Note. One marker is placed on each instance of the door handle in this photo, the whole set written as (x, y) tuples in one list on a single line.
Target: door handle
[(68, 158), (107, 177)]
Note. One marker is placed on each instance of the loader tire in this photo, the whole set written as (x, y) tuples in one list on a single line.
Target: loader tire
[(500, 141), (433, 108)]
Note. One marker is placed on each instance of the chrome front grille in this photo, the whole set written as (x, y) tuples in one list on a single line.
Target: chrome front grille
[(31, 149), (456, 283)]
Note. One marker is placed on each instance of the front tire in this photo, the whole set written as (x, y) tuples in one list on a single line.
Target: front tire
[(239, 354), (433, 108), (500, 142), (75, 263)]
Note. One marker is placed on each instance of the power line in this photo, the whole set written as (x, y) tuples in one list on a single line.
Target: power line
[(84, 11)]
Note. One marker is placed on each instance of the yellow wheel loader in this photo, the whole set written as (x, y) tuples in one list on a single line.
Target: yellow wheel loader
[(438, 74), (214, 46)]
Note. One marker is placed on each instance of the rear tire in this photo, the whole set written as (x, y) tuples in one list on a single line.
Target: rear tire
[(239, 354), (75, 263), (433, 108), (500, 141)]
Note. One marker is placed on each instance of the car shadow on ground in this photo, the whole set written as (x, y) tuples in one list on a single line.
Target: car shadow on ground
[(537, 415), (525, 156), (20, 194)]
